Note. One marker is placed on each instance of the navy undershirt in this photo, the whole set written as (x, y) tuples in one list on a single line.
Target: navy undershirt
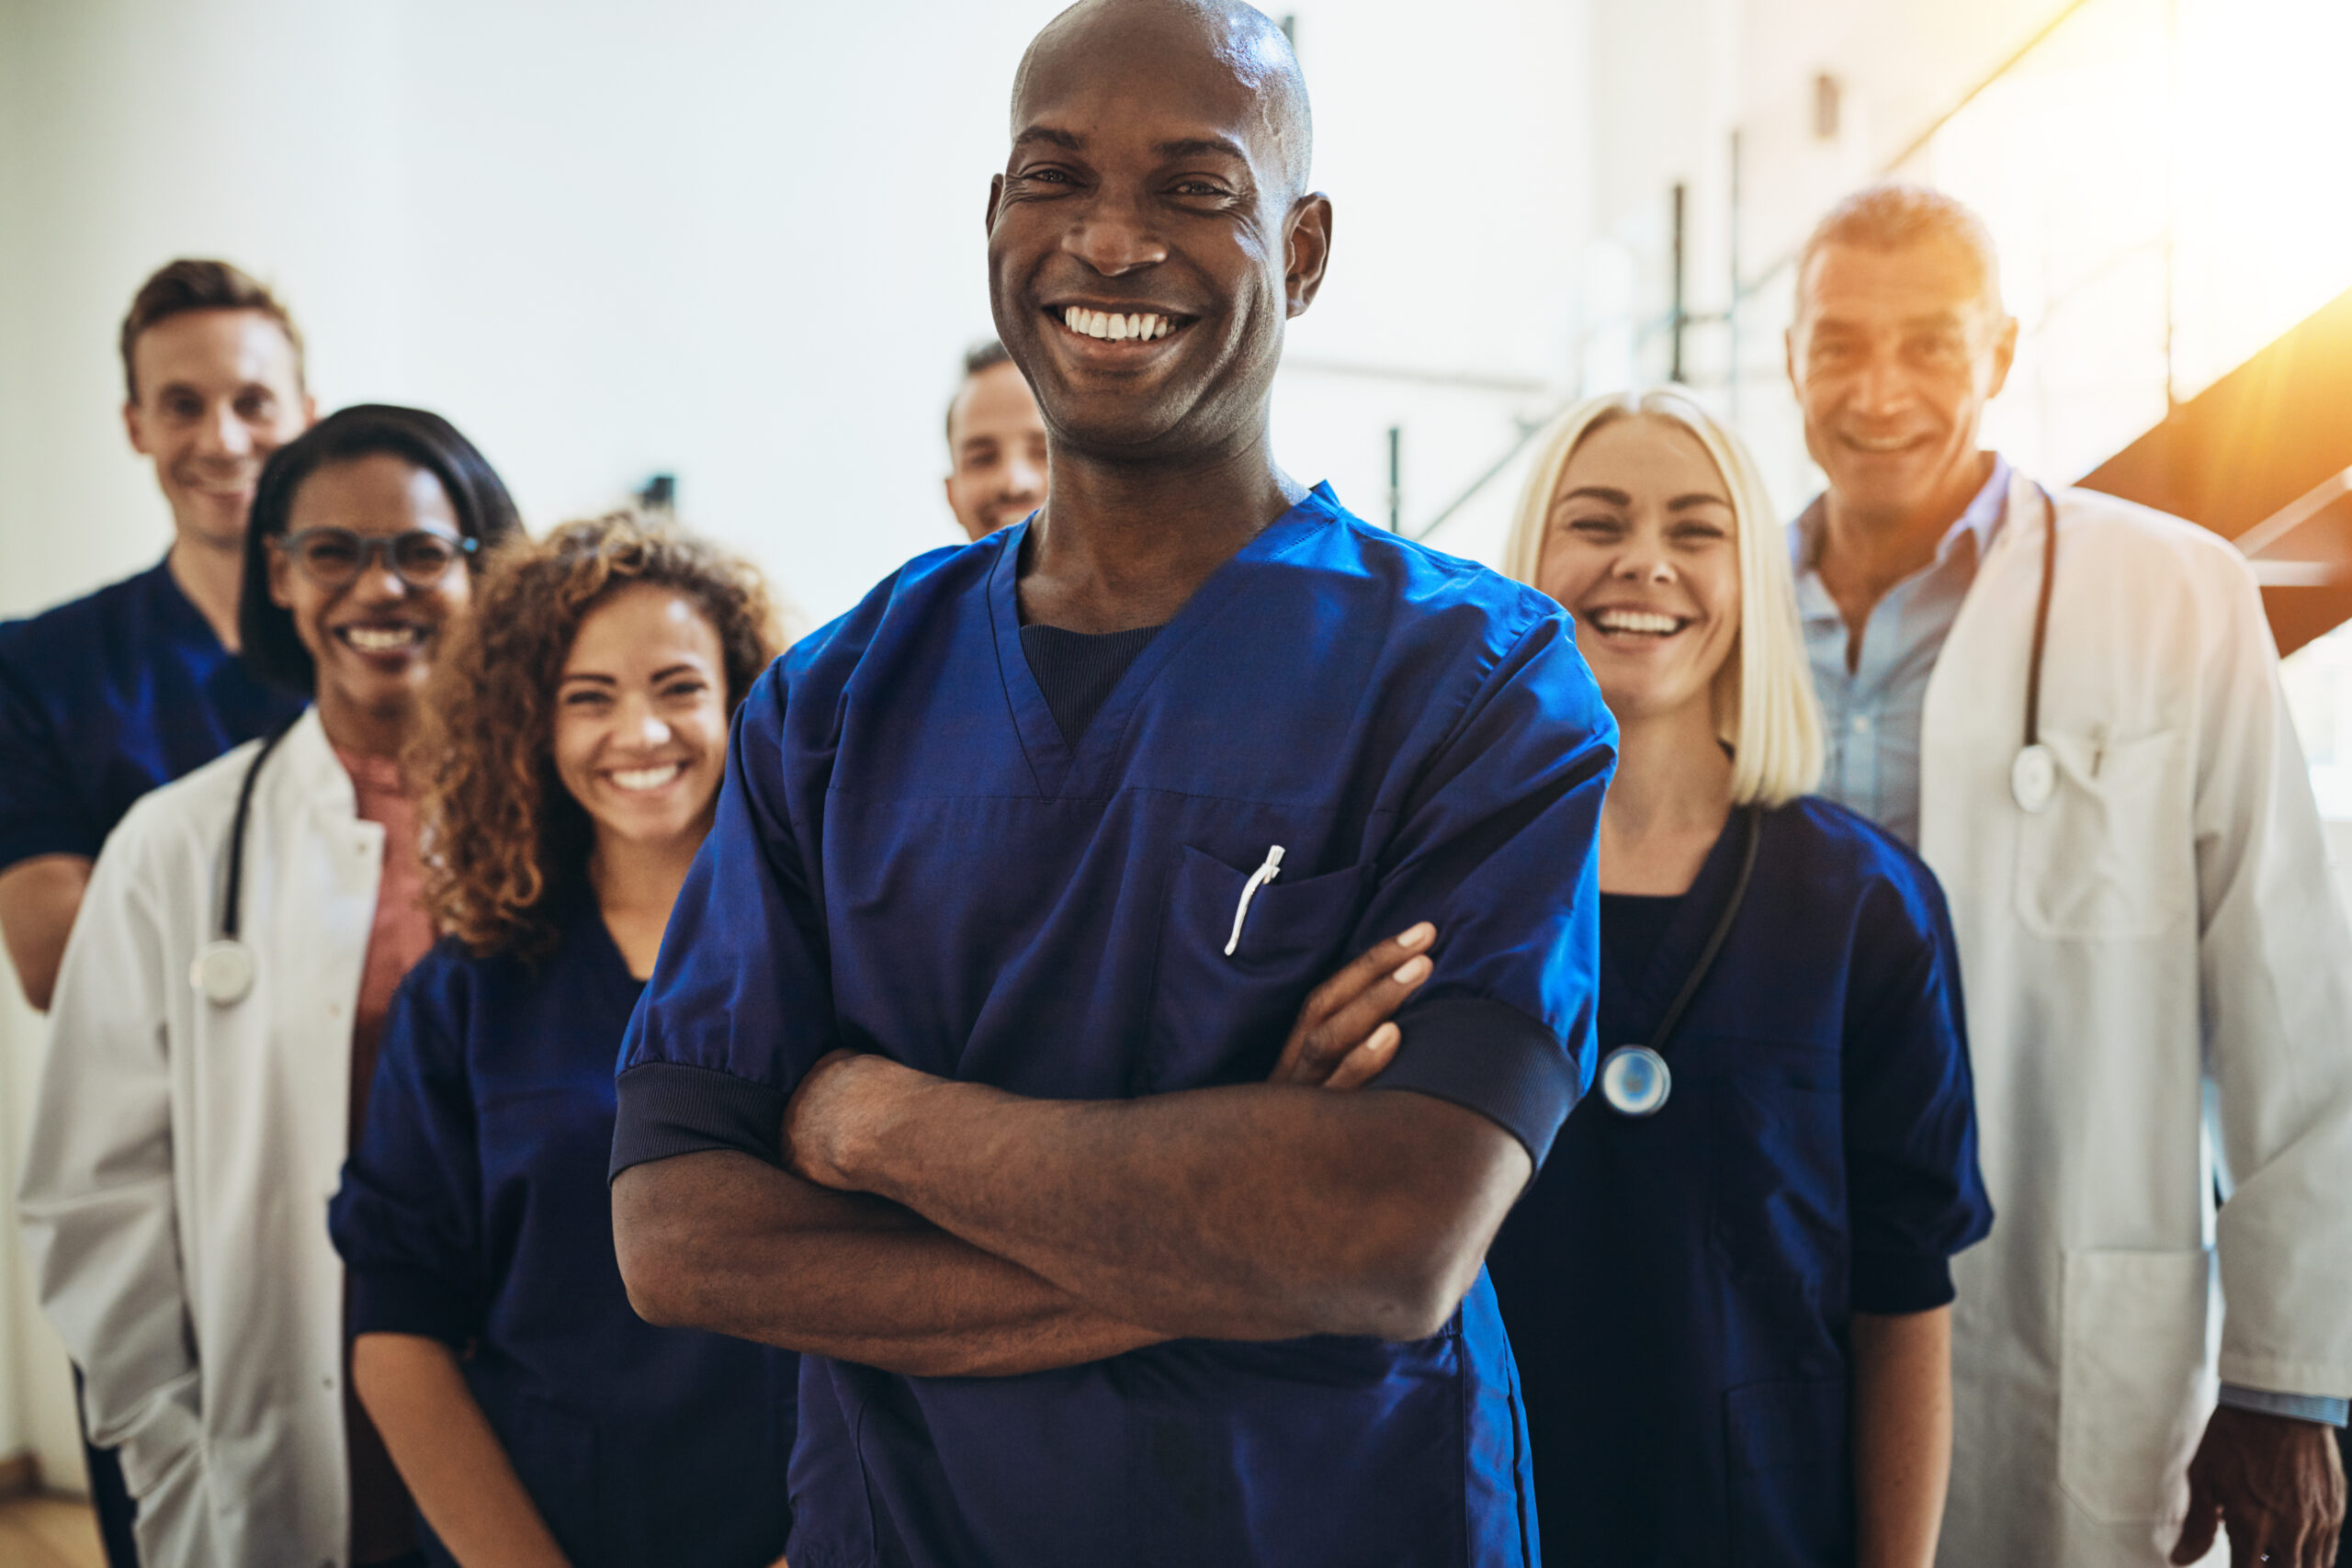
[(1076, 671), (1632, 925)]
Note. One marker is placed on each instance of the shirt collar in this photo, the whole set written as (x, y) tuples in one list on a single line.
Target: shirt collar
[(1981, 524)]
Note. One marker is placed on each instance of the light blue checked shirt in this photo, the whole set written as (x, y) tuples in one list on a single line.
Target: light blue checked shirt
[(1873, 713)]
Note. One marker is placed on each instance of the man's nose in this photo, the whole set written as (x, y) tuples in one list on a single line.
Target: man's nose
[(1025, 478), (221, 434), (1113, 237), (1883, 386)]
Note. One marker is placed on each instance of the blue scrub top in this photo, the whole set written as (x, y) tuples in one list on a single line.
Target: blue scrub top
[(1678, 1289), (474, 1211), (909, 858), (105, 699)]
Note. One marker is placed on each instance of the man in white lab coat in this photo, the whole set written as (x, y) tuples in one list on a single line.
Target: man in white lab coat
[(2156, 961)]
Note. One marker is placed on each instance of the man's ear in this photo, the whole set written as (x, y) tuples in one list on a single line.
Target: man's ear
[(309, 411), (2005, 354), (132, 428), (1788, 358), (1306, 250), (996, 195)]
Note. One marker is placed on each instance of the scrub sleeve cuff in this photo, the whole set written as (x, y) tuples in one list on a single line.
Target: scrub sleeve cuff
[(409, 1301), (2315, 1407), (24, 838), (1489, 1057), (1893, 1283), (669, 1107)]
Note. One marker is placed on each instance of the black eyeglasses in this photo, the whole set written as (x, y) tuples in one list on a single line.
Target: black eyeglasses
[(334, 557)]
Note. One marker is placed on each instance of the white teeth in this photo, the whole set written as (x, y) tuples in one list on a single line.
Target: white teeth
[(381, 639), (646, 778), (1141, 325), (1636, 621), (1881, 444)]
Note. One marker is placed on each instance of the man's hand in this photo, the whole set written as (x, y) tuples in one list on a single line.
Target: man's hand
[(1343, 1037), (835, 1105), (2276, 1483)]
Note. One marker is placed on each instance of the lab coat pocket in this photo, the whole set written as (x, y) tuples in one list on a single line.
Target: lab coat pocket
[(2110, 855), (1792, 1492), (1220, 1017), (2132, 1388)]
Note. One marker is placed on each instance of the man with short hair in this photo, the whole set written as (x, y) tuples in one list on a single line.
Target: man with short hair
[(996, 445), (105, 697), (2070, 704), (955, 1072)]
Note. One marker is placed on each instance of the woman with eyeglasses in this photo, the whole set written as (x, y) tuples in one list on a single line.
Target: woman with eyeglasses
[(218, 1015), (569, 767)]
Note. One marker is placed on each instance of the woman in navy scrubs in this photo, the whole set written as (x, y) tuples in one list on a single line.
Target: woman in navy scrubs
[(570, 771), (1728, 1291)]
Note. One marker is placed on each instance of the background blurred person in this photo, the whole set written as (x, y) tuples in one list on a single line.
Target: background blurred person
[(2070, 705), (105, 699), (569, 760), (217, 1020), (996, 445), (1728, 1291)]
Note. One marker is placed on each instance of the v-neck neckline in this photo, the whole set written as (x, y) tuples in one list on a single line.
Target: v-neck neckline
[(1648, 994), (1061, 769)]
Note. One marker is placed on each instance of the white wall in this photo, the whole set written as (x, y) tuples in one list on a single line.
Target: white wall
[(734, 240)]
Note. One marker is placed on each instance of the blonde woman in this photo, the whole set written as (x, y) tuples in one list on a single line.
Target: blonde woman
[(1728, 1291)]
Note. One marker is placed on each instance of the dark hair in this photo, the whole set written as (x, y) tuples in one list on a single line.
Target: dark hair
[(985, 355), (187, 285), (271, 649), (501, 833)]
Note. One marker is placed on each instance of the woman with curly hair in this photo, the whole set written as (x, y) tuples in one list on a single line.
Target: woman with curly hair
[(570, 769)]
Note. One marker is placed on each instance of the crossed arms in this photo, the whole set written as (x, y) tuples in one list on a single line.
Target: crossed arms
[(937, 1228)]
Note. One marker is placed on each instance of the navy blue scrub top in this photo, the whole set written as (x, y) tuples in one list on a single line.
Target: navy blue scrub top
[(909, 858), (105, 699), (1679, 1289), (474, 1211)]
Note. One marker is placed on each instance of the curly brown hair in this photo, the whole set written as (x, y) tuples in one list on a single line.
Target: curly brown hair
[(500, 833)]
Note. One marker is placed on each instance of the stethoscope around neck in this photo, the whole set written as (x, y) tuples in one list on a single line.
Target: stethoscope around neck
[(2033, 773), (224, 969)]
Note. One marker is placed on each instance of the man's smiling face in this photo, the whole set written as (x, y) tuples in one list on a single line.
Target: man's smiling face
[(1146, 240), (1894, 356)]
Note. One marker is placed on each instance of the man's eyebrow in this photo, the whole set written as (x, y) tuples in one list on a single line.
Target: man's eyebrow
[(1064, 139), (1194, 146)]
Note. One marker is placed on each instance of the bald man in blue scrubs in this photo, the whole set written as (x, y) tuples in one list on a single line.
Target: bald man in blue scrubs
[(953, 1074)]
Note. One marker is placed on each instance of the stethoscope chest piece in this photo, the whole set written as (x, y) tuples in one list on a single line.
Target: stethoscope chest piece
[(222, 971), (2033, 777), (1634, 1080)]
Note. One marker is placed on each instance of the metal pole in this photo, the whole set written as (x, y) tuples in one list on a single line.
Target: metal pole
[(1675, 372)]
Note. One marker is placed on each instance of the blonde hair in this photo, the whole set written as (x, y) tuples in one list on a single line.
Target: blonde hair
[(1764, 703)]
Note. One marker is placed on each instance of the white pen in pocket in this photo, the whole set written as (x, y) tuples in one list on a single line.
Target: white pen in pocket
[(1258, 878)]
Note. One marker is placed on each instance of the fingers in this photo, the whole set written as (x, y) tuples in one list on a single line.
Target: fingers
[(2204, 1518), (1367, 1061), (1342, 1012)]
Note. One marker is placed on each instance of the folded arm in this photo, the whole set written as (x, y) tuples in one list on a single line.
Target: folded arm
[(1258, 1211), (723, 1241)]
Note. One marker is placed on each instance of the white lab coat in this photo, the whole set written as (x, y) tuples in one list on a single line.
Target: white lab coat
[(183, 1152), (2158, 977)]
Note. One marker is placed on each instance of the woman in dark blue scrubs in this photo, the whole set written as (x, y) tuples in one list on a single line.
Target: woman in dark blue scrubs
[(1728, 1288), (569, 777)]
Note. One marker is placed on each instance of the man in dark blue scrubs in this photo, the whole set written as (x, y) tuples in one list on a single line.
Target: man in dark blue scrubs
[(105, 699), (953, 1072)]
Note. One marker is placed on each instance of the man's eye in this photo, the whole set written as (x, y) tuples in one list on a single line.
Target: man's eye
[(182, 408), (1201, 187), (1046, 177), (255, 406)]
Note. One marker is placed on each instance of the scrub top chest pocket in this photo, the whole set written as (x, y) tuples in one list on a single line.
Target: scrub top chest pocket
[(1220, 1018)]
